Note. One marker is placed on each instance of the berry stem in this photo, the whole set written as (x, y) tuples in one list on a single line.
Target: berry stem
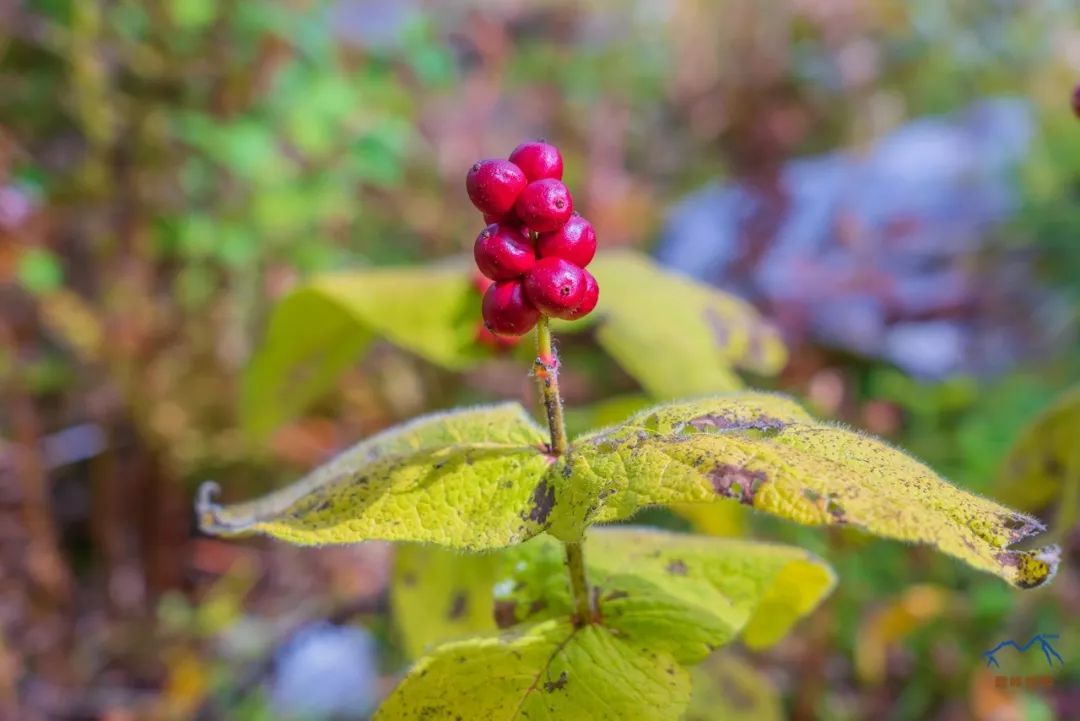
[(546, 368)]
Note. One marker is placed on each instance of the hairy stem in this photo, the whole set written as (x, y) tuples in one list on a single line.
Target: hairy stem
[(547, 377), (546, 369)]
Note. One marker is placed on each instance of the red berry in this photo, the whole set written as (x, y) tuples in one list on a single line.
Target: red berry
[(497, 343), (503, 252), (588, 299), (507, 311), (575, 241), (545, 205), (494, 186), (538, 160), (1075, 106), (555, 286)]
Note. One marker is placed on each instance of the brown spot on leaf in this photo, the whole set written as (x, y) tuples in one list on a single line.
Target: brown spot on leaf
[(737, 482), (761, 423), (677, 567), (537, 606), (459, 604), (409, 578), (505, 614), (543, 500), (558, 684), (615, 595), (834, 509)]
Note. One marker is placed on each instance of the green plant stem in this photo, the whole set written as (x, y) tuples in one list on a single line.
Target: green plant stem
[(547, 377)]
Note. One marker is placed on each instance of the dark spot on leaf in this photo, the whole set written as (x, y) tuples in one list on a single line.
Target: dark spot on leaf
[(737, 482), (505, 613), (458, 605), (537, 606), (677, 567), (766, 425), (1052, 467), (811, 495), (615, 595), (558, 684), (835, 510), (409, 578), (543, 500), (1008, 560)]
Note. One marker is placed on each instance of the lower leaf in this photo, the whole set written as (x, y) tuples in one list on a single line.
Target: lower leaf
[(548, 672)]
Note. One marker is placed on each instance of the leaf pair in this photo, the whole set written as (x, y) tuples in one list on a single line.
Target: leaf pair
[(481, 479), (666, 600), (322, 327)]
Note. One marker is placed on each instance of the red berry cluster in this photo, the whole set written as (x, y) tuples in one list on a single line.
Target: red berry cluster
[(535, 247)]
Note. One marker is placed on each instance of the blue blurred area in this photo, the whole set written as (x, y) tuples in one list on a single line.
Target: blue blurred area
[(885, 252), (326, 671)]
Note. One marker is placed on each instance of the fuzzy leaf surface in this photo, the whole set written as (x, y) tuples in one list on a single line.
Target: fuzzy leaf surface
[(547, 672), (766, 452), (469, 479)]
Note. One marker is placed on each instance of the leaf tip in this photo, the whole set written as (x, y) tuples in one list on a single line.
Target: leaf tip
[(209, 511), (1030, 569)]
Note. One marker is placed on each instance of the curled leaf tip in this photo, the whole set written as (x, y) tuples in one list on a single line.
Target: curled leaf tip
[(1030, 569), (208, 510)]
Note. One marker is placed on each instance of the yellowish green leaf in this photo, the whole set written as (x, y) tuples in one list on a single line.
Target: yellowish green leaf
[(715, 519), (676, 336), (547, 672), (310, 342), (726, 687), (470, 479), (765, 451), (679, 593), (320, 328), (1043, 466), (441, 595)]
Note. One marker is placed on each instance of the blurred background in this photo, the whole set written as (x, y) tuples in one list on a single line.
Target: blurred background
[(895, 184)]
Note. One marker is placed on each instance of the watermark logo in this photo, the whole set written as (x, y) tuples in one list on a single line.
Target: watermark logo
[(1043, 642)]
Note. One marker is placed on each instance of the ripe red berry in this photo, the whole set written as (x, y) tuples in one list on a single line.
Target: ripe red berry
[(538, 160), (555, 286), (575, 241), (503, 252), (588, 301), (545, 205), (1075, 105), (497, 343), (507, 311), (494, 185)]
